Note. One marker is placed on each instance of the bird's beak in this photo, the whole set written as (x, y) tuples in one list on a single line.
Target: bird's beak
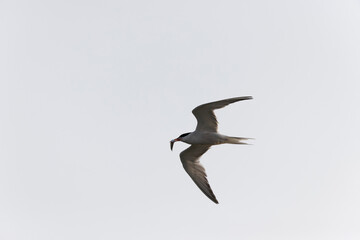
[(172, 143)]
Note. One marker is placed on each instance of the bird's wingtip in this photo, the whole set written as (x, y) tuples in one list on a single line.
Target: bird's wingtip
[(244, 98)]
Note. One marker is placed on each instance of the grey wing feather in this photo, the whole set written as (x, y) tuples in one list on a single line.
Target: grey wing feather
[(190, 160), (205, 113)]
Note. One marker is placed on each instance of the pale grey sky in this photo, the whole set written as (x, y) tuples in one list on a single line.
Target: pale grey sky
[(91, 92)]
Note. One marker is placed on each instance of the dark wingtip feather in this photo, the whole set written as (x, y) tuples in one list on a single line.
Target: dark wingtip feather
[(246, 98)]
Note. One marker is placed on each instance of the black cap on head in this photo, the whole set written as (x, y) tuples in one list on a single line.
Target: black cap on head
[(184, 134)]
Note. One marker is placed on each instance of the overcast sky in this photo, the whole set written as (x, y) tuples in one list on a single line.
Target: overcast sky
[(91, 92)]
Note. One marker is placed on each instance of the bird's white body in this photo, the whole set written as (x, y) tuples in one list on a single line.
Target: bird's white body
[(202, 139), (199, 137), (207, 138)]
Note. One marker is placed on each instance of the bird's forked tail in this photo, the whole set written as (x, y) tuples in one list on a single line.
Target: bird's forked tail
[(237, 140)]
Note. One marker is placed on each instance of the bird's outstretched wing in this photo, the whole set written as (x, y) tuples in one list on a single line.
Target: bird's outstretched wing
[(190, 160), (205, 113)]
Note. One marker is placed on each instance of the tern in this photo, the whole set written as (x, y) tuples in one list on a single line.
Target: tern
[(204, 136)]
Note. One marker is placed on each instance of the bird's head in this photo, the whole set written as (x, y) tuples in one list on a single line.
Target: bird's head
[(177, 139)]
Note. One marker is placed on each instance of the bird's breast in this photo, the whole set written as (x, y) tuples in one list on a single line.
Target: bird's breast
[(208, 138)]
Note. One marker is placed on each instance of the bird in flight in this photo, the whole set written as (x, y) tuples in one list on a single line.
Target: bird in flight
[(204, 136)]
